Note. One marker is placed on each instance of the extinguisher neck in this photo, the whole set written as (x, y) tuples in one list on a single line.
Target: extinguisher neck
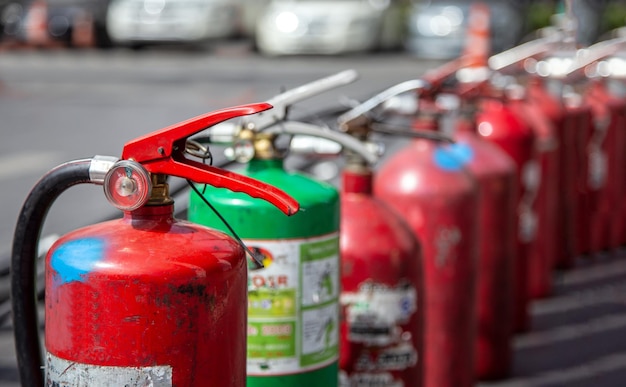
[(357, 180), (160, 193), (426, 121), (355, 161), (160, 206), (265, 146), (153, 217)]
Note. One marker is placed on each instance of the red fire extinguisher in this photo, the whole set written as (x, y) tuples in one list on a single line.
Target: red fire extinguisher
[(428, 186), (549, 60), (544, 114), (491, 142), (608, 96), (579, 118), (572, 118), (541, 260), (382, 273), (142, 300), (605, 148), (548, 105), (541, 174), (589, 161), (496, 176), (497, 123), (495, 173)]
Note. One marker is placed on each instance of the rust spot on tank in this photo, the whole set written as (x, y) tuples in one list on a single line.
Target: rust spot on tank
[(211, 301), (132, 319), (198, 291), (193, 291), (163, 300)]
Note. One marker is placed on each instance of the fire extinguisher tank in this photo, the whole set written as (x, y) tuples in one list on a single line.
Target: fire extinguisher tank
[(609, 104), (497, 124), (495, 173), (551, 106), (146, 298), (587, 186), (382, 283), (610, 111), (427, 184), (542, 261), (293, 301)]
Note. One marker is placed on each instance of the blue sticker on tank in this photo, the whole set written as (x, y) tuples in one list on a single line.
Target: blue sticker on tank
[(453, 157), (75, 259), (463, 152)]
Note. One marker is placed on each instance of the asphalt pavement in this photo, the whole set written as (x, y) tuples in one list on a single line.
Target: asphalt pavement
[(56, 106)]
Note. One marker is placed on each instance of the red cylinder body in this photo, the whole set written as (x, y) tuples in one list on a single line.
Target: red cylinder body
[(616, 87), (609, 108), (146, 299), (550, 105), (579, 119), (497, 123), (428, 186), (382, 291), (547, 149), (495, 174)]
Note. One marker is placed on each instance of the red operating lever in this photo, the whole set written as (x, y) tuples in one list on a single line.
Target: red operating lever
[(163, 152)]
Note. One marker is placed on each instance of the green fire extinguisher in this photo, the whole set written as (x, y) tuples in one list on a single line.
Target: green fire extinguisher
[(293, 300)]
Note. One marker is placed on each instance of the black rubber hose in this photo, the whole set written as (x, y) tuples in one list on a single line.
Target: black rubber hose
[(23, 264)]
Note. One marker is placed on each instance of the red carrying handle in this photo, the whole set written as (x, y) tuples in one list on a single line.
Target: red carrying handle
[(162, 152)]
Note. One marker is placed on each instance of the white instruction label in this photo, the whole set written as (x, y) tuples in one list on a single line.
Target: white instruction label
[(375, 312), (293, 305), (65, 373)]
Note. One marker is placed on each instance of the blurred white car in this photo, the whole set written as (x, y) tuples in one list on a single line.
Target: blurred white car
[(139, 22), (437, 28), (326, 26)]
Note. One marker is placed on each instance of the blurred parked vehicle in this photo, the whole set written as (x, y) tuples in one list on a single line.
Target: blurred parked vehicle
[(11, 16), (43, 23), (436, 29), (140, 22), (68, 19), (328, 26)]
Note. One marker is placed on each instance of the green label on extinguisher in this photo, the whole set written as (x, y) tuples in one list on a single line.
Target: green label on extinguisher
[(293, 306)]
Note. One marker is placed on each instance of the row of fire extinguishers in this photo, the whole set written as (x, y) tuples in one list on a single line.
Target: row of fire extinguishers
[(417, 272)]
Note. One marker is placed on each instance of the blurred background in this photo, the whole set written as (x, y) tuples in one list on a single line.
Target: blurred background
[(426, 29)]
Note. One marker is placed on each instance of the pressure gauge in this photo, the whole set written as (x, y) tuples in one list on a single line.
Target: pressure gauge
[(127, 185)]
